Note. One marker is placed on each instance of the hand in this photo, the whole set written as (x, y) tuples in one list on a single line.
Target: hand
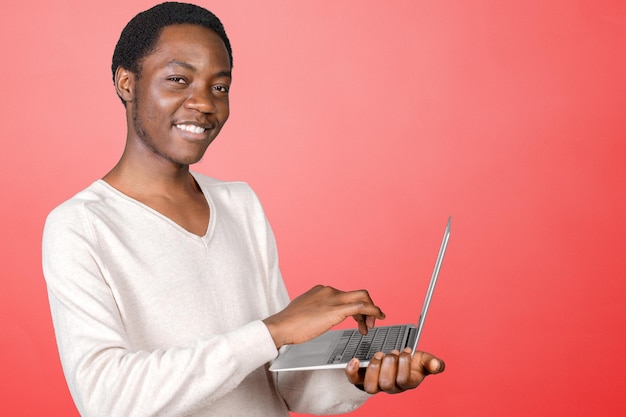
[(394, 372), (319, 309)]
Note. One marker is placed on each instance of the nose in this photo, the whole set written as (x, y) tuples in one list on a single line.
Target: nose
[(201, 100)]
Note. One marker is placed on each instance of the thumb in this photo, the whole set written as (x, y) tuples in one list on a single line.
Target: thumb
[(435, 366)]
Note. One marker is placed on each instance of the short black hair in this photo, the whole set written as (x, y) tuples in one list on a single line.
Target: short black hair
[(140, 35)]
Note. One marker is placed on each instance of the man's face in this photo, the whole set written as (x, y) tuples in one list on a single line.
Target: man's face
[(180, 99)]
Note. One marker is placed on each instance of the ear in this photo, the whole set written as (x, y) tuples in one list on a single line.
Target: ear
[(125, 84)]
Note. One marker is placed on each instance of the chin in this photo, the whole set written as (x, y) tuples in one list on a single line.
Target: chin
[(190, 158), (185, 161)]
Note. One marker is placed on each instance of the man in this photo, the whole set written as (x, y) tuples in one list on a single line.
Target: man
[(164, 285)]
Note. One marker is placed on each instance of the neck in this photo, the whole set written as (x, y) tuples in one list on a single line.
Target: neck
[(137, 178)]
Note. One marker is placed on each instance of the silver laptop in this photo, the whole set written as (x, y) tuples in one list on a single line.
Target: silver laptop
[(335, 348)]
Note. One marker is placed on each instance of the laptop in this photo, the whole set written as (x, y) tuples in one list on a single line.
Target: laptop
[(335, 348)]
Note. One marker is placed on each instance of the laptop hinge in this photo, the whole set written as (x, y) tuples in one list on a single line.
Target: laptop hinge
[(412, 337)]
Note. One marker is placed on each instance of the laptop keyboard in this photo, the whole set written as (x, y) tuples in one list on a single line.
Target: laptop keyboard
[(353, 344)]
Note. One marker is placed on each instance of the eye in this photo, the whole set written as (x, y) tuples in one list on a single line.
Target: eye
[(221, 89), (176, 79)]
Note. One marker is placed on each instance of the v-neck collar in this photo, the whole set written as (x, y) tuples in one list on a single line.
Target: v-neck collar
[(212, 212)]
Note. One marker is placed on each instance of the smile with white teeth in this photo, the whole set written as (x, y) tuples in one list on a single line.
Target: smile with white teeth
[(191, 128)]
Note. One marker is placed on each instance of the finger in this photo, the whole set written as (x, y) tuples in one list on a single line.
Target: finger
[(363, 309), (363, 328), (361, 301), (356, 295), (370, 381), (403, 377), (388, 373), (365, 323), (352, 372), (361, 322)]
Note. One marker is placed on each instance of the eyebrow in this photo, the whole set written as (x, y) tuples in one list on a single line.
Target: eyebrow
[(176, 63)]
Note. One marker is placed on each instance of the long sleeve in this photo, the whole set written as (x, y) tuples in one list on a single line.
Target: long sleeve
[(106, 374), (153, 321)]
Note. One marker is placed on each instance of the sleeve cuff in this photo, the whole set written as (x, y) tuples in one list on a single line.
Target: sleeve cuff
[(253, 337)]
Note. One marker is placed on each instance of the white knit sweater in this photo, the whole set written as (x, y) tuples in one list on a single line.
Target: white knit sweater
[(152, 320)]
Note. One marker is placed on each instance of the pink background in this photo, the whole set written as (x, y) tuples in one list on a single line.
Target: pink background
[(362, 125)]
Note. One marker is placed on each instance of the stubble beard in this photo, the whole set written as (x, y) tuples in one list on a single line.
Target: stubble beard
[(145, 137)]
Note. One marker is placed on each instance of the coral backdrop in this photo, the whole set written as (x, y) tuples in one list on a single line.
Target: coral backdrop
[(362, 125)]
